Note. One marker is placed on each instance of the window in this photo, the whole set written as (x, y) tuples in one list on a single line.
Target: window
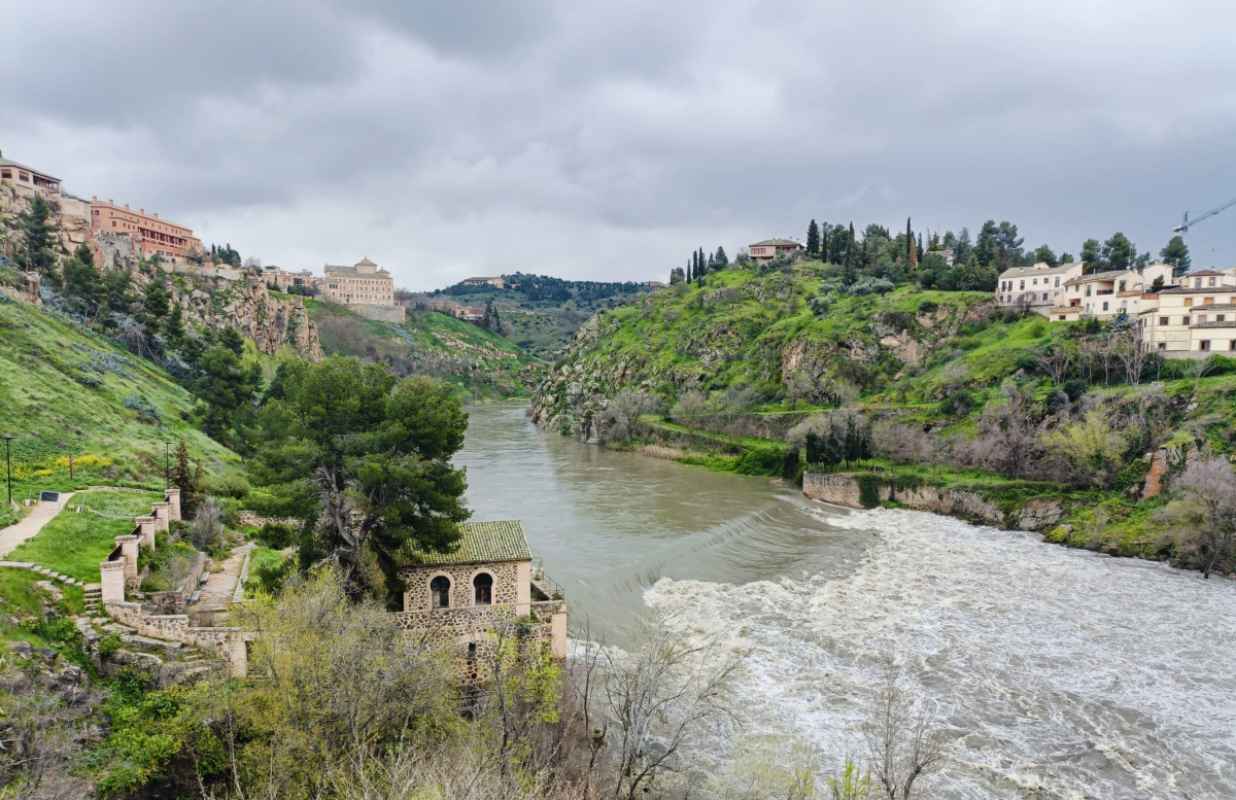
[(1201, 318), (1104, 305), (1120, 287), (1021, 284), (1197, 283), (483, 588), (1060, 317), (1162, 345), (1184, 320), (1210, 282), (1208, 301), (1220, 318), (1087, 291), (4, 173), (1188, 302), (1204, 344), (440, 589), (1057, 281), (1162, 320)]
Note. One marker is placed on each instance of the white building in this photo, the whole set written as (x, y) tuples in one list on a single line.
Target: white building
[(1039, 287)]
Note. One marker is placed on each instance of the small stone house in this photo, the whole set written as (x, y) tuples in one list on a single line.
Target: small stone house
[(462, 597)]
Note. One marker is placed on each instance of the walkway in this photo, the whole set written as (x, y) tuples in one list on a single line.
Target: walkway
[(221, 586), (39, 516)]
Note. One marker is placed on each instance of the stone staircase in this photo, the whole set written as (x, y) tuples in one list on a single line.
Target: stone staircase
[(166, 662), (44, 571), (92, 595)]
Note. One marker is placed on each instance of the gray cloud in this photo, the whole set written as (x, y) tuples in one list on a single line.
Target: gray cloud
[(608, 140)]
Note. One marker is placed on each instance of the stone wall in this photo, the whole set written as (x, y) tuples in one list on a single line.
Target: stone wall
[(395, 314), (508, 588), (121, 568), (860, 490)]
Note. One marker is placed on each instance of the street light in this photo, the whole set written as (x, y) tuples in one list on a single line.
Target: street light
[(8, 467), (167, 465)]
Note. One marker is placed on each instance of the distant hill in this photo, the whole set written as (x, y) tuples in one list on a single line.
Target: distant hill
[(539, 312), (480, 363)]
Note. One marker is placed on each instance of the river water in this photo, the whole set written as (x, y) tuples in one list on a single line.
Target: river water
[(1055, 673)]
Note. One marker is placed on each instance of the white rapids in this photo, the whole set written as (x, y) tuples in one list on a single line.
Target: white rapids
[(1056, 673)]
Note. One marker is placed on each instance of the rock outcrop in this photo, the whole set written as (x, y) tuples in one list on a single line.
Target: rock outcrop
[(868, 491)]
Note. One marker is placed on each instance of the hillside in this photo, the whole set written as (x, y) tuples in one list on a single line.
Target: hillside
[(538, 312), (771, 337), (480, 363), (936, 398), (66, 391)]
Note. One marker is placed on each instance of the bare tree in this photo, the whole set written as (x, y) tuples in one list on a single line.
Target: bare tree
[(1056, 361), (207, 526), (658, 698), (1132, 350), (1204, 515), (902, 743)]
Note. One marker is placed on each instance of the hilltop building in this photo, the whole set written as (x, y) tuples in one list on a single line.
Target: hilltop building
[(24, 177), (487, 584), (152, 235), (363, 283), (496, 281), (769, 249)]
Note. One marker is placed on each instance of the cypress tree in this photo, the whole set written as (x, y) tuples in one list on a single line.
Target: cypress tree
[(849, 275), (722, 259), (813, 239), (911, 253)]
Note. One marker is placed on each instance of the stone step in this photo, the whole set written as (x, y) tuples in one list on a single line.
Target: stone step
[(138, 640)]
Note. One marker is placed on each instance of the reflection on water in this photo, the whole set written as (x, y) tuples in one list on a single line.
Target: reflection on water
[(1057, 673)]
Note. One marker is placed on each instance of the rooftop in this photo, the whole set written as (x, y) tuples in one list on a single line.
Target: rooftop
[(335, 269), (1109, 275), (482, 543), (7, 162), (776, 243), (1038, 269)]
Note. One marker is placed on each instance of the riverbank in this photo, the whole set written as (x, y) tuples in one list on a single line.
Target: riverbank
[(1108, 522)]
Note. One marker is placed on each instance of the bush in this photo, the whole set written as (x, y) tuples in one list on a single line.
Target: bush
[(927, 307), (146, 412), (207, 527), (228, 485), (276, 537)]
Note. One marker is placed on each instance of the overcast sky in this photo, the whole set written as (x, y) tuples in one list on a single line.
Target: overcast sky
[(606, 140)]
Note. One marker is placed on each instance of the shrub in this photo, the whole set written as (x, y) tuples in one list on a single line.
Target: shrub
[(228, 485), (207, 527), (927, 306), (275, 536), (146, 412)]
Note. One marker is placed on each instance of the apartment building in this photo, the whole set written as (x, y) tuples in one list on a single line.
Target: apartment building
[(1039, 287), (1196, 317), (153, 236)]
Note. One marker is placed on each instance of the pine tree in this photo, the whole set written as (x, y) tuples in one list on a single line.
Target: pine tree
[(722, 260), (174, 329), (813, 239), (82, 281), (36, 229)]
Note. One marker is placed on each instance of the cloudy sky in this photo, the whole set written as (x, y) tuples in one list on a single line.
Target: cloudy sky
[(606, 140)]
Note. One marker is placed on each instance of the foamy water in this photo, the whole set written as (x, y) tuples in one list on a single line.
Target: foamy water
[(1055, 673)]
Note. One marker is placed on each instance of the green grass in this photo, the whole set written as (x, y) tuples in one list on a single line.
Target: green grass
[(21, 610), (74, 543), (64, 391)]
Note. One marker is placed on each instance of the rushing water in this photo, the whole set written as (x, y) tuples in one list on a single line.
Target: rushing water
[(1056, 673)]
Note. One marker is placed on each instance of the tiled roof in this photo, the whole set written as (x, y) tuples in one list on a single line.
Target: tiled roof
[(331, 269), (777, 243), (482, 543), (7, 162), (1198, 289)]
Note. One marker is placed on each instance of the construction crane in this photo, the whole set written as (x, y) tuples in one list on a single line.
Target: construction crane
[(1183, 227)]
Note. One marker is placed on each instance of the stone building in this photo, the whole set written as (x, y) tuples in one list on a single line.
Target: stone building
[(152, 235), (364, 283), (486, 585)]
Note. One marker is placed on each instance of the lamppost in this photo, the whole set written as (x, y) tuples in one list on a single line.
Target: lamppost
[(8, 467), (167, 465)]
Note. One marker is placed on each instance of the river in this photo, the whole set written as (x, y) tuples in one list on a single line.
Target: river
[(1055, 673)]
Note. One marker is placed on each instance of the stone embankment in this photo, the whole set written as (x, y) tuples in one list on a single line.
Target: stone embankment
[(860, 490)]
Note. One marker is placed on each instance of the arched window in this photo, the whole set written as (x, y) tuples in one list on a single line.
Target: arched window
[(483, 589), (440, 589)]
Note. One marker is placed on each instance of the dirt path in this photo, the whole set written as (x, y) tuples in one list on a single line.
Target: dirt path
[(39, 516)]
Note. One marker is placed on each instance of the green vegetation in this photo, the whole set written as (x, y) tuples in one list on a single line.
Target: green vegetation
[(67, 391), (478, 363), (74, 543)]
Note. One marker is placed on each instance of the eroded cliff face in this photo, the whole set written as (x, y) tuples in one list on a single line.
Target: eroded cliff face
[(205, 300), (271, 322)]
